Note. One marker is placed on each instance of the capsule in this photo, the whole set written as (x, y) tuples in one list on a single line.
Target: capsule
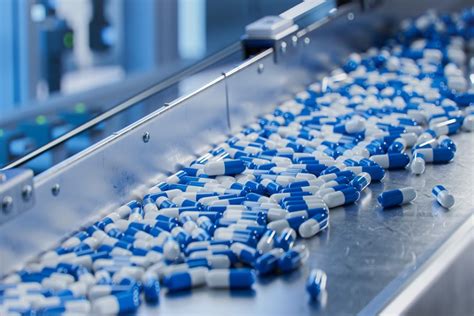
[(316, 283), (267, 241), (418, 164), (391, 161), (186, 280), (244, 253), (343, 197), (396, 197), (151, 288), (286, 239), (293, 258), (361, 181), (281, 224), (314, 225), (230, 278), (268, 261), (446, 142), (443, 196), (121, 303), (436, 155), (224, 167)]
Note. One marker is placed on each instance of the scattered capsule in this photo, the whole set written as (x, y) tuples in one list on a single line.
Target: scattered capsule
[(230, 278), (316, 283), (417, 165), (314, 225), (121, 303), (224, 167), (186, 280), (343, 197), (361, 181), (396, 197), (443, 196)]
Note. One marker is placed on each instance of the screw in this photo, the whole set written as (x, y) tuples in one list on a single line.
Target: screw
[(294, 40), (7, 204), (146, 137), (27, 192), (283, 47), (55, 189), (260, 68), (350, 16), (306, 41)]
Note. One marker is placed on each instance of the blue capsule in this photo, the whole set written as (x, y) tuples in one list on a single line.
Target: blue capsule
[(436, 155), (268, 262), (396, 197), (285, 239), (442, 196), (361, 181), (186, 280), (230, 278), (316, 283), (292, 259), (224, 167), (124, 302), (392, 160), (244, 253)]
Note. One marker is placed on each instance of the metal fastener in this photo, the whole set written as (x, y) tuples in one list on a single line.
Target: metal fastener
[(27, 192), (55, 189), (294, 40), (283, 47), (306, 41), (260, 68), (350, 16), (7, 204), (146, 137)]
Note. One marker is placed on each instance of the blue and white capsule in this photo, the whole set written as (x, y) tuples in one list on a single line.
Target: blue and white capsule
[(438, 155), (268, 261), (293, 258), (286, 239), (186, 280), (396, 197), (224, 167), (443, 196), (391, 161), (361, 181), (244, 253), (418, 163), (314, 225), (343, 197), (316, 283), (230, 278), (121, 303)]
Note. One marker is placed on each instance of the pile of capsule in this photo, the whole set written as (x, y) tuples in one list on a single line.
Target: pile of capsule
[(238, 210)]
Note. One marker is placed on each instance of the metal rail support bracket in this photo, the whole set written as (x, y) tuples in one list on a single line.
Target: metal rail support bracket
[(265, 33)]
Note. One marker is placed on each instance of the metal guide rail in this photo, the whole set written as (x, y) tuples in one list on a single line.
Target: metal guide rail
[(368, 254)]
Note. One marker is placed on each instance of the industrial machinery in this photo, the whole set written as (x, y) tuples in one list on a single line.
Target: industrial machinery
[(411, 260)]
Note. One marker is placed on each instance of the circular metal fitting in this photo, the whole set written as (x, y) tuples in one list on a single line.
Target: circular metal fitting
[(260, 68), (7, 204), (146, 137), (55, 189), (283, 47), (27, 192)]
